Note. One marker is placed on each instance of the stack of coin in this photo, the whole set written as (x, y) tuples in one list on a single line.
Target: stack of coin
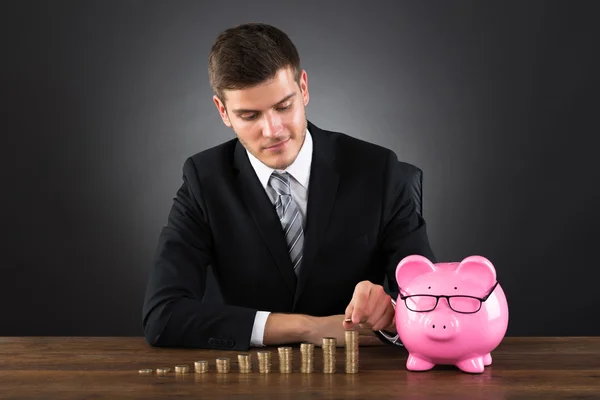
[(351, 352), (145, 371), (182, 369), (285, 360), (264, 361), (163, 371), (245, 363), (223, 365), (329, 360), (307, 351), (201, 366)]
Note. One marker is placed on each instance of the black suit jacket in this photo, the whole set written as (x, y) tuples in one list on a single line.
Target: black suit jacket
[(361, 221)]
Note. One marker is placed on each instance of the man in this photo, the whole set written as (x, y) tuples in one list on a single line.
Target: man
[(300, 225)]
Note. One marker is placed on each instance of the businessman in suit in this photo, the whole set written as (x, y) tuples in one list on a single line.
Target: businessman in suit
[(299, 224)]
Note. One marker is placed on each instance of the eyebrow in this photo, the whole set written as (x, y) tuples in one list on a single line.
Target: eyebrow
[(244, 110)]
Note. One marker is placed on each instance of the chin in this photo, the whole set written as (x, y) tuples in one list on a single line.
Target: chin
[(280, 164), (279, 160)]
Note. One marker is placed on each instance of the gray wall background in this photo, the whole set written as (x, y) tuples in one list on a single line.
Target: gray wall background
[(102, 101)]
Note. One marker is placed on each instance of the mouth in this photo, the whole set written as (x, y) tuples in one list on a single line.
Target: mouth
[(277, 146)]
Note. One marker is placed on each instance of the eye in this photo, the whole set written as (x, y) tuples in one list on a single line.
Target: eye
[(455, 288), (250, 118), (429, 287), (283, 108)]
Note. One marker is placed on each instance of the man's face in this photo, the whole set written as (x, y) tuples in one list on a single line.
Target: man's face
[(269, 119)]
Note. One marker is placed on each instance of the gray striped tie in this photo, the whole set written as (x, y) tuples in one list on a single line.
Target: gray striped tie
[(289, 215)]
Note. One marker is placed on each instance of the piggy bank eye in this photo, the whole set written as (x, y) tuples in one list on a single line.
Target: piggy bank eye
[(455, 288), (429, 287)]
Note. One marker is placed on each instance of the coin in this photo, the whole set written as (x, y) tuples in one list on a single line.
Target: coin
[(351, 346), (245, 363), (264, 361), (285, 359), (163, 371), (182, 369), (145, 371), (329, 358), (201, 366), (223, 365), (307, 353)]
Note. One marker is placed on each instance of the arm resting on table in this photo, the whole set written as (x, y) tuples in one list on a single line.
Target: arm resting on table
[(173, 312), (404, 231)]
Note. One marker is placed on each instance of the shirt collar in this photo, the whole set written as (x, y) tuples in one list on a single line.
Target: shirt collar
[(299, 169)]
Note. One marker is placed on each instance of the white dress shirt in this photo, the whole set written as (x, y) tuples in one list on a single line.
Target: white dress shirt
[(299, 171)]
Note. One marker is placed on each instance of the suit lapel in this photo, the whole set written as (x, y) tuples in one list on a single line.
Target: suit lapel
[(322, 190), (263, 213)]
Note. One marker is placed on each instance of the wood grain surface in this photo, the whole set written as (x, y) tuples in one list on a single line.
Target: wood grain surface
[(107, 368)]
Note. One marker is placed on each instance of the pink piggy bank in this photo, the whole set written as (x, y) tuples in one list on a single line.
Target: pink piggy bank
[(449, 313)]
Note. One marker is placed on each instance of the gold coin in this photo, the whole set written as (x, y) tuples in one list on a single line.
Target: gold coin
[(352, 357), (223, 365), (182, 369), (264, 362), (201, 366), (307, 363), (245, 363), (329, 355), (163, 371)]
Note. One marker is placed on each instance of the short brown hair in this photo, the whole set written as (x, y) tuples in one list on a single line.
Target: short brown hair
[(246, 55)]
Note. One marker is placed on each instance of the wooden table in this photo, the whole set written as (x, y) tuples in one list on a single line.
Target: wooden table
[(107, 368)]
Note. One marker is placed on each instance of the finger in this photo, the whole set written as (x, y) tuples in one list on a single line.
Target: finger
[(347, 323), (382, 303), (386, 319), (349, 310), (361, 303), (384, 323), (376, 305)]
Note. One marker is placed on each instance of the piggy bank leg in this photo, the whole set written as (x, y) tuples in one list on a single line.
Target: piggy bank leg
[(417, 364), (487, 359), (472, 365)]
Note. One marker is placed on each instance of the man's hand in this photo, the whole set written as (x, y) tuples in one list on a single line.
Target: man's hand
[(293, 328), (332, 326), (371, 308)]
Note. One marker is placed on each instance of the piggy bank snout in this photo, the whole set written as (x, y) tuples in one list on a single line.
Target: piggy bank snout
[(441, 326)]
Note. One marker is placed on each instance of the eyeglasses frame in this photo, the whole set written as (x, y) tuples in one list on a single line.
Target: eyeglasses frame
[(448, 297)]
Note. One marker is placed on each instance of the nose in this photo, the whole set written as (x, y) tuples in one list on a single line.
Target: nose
[(272, 126), (441, 326)]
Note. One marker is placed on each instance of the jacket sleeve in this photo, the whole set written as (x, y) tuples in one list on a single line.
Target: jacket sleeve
[(174, 314), (403, 229)]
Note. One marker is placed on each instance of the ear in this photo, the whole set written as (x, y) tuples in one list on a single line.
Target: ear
[(480, 268), (411, 267), (222, 111), (304, 87)]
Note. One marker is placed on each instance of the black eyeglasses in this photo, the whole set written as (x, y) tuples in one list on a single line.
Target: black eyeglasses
[(459, 303)]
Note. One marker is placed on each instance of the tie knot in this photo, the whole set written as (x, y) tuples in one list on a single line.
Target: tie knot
[(280, 182)]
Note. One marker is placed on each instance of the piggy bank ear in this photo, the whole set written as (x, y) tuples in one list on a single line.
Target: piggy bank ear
[(410, 267), (480, 268)]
